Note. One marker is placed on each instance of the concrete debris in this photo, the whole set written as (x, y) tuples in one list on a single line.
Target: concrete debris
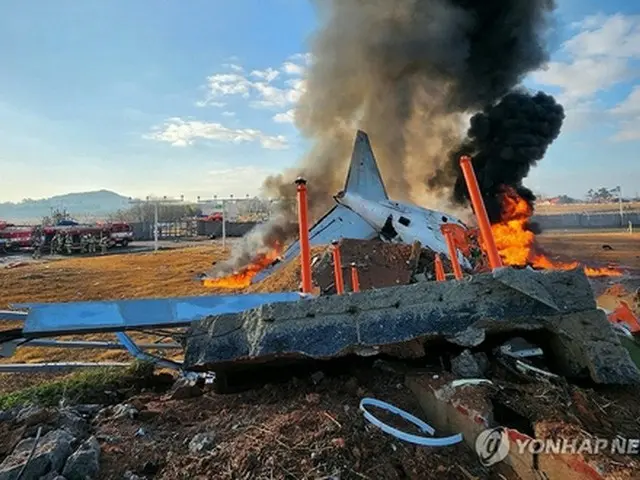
[(560, 305), (123, 410), (183, 389), (469, 337), (468, 365), (51, 452), (88, 410), (317, 377), (84, 463), (6, 416), (128, 475), (33, 415), (73, 423), (53, 476), (201, 443)]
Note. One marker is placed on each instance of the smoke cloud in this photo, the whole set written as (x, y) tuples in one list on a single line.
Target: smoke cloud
[(408, 72), (505, 140)]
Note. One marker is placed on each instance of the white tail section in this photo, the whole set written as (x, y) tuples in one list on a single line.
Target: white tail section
[(364, 177)]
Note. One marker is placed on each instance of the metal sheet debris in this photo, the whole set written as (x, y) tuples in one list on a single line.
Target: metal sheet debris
[(111, 316)]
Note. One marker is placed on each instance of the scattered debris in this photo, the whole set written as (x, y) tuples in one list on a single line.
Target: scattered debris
[(468, 365), (399, 321), (407, 437), (84, 463), (184, 388), (201, 443), (50, 454)]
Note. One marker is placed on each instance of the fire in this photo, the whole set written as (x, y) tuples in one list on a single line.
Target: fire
[(517, 243), (242, 278)]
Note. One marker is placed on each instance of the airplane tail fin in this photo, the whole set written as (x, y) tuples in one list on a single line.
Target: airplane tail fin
[(364, 177)]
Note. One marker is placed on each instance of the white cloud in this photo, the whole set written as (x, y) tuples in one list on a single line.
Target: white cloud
[(631, 105), (614, 36), (229, 114), (584, 77), (233, 66), (291, 68), (269, 74), (285, 117), (210, 103), (306, 58), (263, 92), (224, 84), (180, 133), (601, 55), (629, 113)]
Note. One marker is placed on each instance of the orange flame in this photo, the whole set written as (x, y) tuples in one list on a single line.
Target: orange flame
[(242, 278), (517, 243)]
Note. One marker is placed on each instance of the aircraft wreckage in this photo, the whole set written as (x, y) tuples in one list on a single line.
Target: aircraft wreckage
[(229, 334)]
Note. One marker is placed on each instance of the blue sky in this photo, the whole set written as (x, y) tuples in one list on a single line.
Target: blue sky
[(195, 98)]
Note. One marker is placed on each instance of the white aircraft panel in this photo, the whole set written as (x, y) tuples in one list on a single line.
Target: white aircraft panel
[(339, 222)]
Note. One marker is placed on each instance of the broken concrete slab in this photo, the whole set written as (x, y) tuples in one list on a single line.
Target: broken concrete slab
[(387, 319), (50, 454)]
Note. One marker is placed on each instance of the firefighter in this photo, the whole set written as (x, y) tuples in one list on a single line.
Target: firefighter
[(55, 242), (92, 244), (68, 243), (104, 242), (84, 243), (37, 243)]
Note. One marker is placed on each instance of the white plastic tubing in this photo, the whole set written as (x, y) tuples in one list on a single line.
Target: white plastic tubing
[(407, 437)]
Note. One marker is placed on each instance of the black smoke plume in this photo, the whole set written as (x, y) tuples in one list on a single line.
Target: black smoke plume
[(407, 72), (505, 140)]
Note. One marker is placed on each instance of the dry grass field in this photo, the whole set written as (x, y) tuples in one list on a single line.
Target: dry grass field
[(587, 207), (172, 273), (619, 248)]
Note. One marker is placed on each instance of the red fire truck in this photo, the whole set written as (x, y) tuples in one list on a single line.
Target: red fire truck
[(24, 237)]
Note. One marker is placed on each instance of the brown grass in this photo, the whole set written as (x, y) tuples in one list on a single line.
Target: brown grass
[(587, 247), (162, 274), (171, 273)]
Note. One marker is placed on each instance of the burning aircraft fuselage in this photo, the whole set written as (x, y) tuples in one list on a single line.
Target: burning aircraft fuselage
[(364, 211), (401, 222)]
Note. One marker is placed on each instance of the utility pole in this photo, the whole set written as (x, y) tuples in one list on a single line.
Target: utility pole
[(156, 205), (222, 202), (224, 225), (619, 188)]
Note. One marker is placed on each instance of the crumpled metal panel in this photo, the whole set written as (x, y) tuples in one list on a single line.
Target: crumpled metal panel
[(50, 319), (339, 222)]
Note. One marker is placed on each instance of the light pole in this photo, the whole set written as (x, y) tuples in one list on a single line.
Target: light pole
[(222, 202), (620, 204), (156, 203)]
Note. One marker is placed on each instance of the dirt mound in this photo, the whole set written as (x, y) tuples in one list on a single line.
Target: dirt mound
[(300, 429), (379, 265), (286, 278)]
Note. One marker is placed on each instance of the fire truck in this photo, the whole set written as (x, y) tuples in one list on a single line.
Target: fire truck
[(17, 238)]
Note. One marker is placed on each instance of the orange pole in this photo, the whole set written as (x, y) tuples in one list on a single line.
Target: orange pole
[(337, 268), (305, 251), (453, 254), (355, 279), (440, 277), (480, 211)]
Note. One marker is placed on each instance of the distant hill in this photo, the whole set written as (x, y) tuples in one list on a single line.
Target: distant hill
[(84, 205)]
